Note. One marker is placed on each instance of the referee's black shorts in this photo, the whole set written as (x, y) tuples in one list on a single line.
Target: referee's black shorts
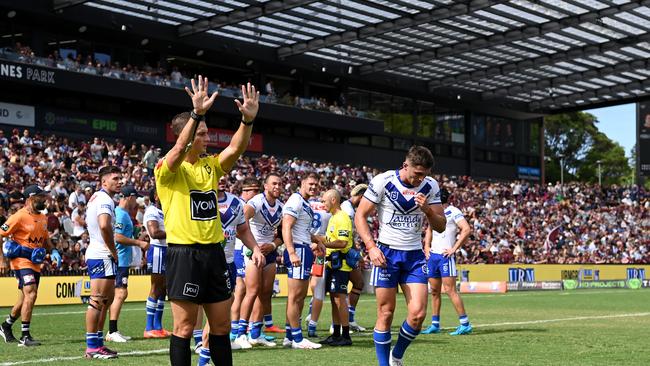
[(197, 273)]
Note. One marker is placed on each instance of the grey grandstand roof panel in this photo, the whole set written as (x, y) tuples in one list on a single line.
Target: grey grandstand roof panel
[(513, 50)]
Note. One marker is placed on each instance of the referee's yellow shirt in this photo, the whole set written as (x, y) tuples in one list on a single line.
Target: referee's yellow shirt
[(189, 200), (340, 228)]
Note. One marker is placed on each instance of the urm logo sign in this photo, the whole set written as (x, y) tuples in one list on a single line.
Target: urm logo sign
[(521, 275)]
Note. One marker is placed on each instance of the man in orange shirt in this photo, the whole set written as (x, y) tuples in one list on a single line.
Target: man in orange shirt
[(27, 231)]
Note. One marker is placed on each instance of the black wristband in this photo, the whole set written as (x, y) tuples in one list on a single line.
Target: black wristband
[(247, 123), (197, 117)]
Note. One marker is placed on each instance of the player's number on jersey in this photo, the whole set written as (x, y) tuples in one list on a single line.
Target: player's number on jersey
[(316, 223)]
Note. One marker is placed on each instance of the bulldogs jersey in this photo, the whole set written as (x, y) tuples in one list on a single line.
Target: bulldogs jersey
[(321, 217), (297, 207), (153, 213), (231, 211), (266, 220), (100, 203), (447, 238), (400, 219)]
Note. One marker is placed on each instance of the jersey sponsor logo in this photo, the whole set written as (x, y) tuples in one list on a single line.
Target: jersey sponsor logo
[(190, 290), (4, 227), (405, 221), (344, 233), (204, 205), (119, 225), (105, 205), (208, 169)]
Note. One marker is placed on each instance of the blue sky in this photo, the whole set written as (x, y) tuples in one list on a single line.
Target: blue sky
[(618, 123)]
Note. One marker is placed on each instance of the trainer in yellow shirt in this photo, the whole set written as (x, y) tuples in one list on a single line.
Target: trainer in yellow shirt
[(338, 240), (186, 183)]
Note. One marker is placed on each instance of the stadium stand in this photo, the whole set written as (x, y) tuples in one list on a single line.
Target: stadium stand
[(514, 222)]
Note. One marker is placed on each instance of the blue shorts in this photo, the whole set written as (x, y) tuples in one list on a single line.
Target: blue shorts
[(240, 264), (122, 277), (336, 281), (271, 258), (27, 277), (156, 259), (306, 260), (232, 276), (441, 266), (402, 266), (101, 268)]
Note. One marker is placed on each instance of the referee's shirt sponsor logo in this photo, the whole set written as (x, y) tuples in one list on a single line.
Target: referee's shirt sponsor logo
[(204, 205), (191, 290)]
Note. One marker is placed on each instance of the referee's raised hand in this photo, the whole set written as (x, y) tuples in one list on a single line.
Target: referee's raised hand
[(201, 101), (251, 103)]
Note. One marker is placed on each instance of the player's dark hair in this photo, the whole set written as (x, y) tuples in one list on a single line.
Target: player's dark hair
[(250, 182), (444, 195), (111, 169), (310, 175), (179, 121), (272, 174), (152, 195), (420, 156)]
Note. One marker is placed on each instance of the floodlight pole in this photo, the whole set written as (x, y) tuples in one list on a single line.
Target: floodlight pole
[(561, 171), (600, 178)]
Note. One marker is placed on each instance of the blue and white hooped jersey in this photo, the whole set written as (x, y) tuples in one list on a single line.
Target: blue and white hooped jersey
[(231, 212), (447, 238), (321, 217), (153, 213), (266, 220), (297, 207), (400, 219)]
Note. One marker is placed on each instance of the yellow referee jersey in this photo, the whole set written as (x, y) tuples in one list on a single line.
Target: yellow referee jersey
[(340, 228), (189, 200)]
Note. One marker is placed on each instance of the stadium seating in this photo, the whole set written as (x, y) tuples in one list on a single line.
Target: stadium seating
[(513, 222)]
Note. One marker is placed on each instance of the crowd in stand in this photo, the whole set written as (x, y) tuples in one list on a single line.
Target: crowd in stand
[(162, 76), (515, 222)]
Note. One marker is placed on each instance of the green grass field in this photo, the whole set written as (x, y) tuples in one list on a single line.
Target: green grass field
[(527, 328)]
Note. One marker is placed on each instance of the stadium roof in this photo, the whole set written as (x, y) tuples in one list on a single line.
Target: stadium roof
[(530, 55)]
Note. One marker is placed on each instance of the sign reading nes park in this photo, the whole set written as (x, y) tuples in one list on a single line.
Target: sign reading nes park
[(27, 72)]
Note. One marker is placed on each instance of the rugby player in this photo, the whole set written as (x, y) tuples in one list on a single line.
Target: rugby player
[(154, 223), (264, 214), (440, 249), (317, 283), (101, 258), (403, 198), (301, 248)]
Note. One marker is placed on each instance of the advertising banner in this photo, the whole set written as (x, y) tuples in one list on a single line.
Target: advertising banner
[(534, 286), (633, 283), (17, 114), (498, 287), (97, 125), (31, 73), (551, 272), (221, 138)]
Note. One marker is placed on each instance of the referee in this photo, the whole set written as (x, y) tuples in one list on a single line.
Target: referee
[(186, 182)]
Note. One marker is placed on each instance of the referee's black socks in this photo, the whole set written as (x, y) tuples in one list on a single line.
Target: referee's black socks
[(180, 353), (220, 351)]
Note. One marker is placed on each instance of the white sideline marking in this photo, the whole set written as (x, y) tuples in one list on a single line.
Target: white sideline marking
[(541, 321), (471, 296), (55, 359)]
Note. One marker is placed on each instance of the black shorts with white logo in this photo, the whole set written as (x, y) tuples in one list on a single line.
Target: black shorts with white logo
[(197, 273), (336, 281)]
